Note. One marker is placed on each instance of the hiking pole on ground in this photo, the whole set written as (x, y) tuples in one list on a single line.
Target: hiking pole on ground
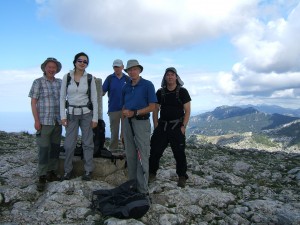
[(138, 154)]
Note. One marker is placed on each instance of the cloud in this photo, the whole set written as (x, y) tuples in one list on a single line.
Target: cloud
[(264, 33), (271, 46), (270, 50), (149, 25), (243, 81)]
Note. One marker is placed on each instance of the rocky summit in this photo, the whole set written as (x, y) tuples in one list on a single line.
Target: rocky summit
[(225, 186)]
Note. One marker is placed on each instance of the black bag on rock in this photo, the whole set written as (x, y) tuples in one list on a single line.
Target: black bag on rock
[(123, 202), (99, 150), (99, 136)]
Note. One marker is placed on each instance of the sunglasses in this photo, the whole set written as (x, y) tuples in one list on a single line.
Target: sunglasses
[(83, 61)]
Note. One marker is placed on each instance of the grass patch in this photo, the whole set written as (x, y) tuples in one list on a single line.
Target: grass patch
[(261, 139)]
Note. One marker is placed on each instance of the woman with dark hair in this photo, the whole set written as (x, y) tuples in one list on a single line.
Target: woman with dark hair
[(77, 112)]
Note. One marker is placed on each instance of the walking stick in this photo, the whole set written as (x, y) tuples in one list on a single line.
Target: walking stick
[(139, 155)]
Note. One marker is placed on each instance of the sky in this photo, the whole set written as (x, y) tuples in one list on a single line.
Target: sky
[(232, 52)]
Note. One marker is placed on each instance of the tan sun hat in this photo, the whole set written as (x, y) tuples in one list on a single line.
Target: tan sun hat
[(58, 64), (132, 63)]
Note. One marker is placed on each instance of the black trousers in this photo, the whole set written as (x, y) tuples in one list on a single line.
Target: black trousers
[(159, 142)]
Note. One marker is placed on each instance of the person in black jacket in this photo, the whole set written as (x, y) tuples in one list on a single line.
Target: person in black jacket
[(174, 105)]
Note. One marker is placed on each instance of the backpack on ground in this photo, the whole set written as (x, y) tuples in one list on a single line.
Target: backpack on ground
[(99, 139), (99, 135), (123, 202), (99, 150), (105, 153)]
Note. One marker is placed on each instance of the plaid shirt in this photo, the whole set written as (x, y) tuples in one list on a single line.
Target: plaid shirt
[(47, 92)]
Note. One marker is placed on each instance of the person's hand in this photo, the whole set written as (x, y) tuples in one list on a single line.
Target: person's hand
[(64, 122), (94, 124), (37, 125), (183, 129), (128, 113)]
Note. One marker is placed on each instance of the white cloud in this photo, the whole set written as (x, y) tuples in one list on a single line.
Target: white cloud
[(272, 46), (288, 93), (144, 26), (266, 34)]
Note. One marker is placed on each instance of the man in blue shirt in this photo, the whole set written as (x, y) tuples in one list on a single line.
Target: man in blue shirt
[(138, 100), (113, 85)]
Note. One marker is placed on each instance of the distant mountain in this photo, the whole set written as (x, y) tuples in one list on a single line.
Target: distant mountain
[(239, 127), (271, 109), (233, 119)]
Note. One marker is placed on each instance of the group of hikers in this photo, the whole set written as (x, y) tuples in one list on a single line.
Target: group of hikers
[(73, 102)]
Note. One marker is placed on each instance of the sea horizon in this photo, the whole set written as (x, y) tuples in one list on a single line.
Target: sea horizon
[(23, 122)]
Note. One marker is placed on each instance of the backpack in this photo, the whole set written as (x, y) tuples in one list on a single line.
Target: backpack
[(99, 135), (89, 79), (109, 78), (163, 94), (99, 150), (99, 153), (123, 202)]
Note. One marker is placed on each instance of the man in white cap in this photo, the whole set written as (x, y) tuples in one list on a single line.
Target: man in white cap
[(174, 108), (113, 85), (44, 95), (138, 101)]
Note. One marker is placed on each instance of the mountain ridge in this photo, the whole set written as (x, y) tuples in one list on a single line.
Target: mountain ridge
[(273, 129)]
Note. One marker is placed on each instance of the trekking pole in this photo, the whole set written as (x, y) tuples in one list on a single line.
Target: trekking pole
[(139, 155)]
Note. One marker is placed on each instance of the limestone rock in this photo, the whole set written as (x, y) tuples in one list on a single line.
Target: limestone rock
[(225, 186)]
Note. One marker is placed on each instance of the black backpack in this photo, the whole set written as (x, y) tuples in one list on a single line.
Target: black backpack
[(123, 202), (99, 150), (163, 94), (99, 135)]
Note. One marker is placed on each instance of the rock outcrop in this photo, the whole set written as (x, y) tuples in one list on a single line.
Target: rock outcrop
[(225, 186)]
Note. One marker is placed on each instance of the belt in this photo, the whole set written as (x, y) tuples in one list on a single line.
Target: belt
[(75, 107), (176, 122), (143, 117)]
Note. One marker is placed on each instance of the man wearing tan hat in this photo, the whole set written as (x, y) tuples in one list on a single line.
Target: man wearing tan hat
[(44, 95), (138, 100)]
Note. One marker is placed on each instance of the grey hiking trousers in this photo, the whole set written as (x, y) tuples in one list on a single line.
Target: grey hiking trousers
[(115, 122), (84, 122), (48, 141), (142, 130)]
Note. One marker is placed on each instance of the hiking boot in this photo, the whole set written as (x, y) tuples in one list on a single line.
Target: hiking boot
[(152, 178), (41, 183), (181, 182), (87, 176), (67, 176), (52, 176)]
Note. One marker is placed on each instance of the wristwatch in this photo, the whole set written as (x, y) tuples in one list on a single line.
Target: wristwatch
[(183, 125)]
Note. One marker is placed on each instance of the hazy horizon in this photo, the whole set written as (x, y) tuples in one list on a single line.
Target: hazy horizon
[(23, 122)]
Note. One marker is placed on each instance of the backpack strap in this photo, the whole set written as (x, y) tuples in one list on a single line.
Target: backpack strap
[(88, 92), (68, 81), (163, 94), (89, 79), (177, 94)]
